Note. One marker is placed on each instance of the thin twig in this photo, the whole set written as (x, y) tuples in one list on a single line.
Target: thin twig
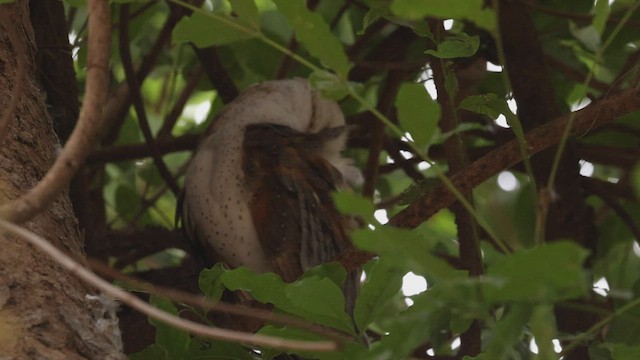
[(194, 328), (85, 134), (178, 107), (134, 89)]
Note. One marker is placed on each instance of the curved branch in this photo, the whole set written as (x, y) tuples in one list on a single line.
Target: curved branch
[(89, 124), (507, 155), (141, 150), (117, 293)]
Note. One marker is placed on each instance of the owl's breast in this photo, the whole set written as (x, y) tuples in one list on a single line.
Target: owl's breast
[(218, 196)]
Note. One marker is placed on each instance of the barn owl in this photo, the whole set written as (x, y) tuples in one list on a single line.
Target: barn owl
[(258, 189)]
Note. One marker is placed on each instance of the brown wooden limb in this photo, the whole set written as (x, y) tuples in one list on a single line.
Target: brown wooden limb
[(468, 238), (217, 74), (141, 150), (507, 155), (377, 132), (86, 132)]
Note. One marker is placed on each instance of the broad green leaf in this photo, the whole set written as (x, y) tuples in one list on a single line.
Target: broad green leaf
[(588, 36), (602, 9), (313, 298), (248, 12), (507, 332), (624, 352), (406, 249), (456, 46), (314, 33), (351, 203), (418, 113), (208, 29), (552, 272), (625, 328), (383, 283), (375, 13), (333, 271), (486, 104), (319, 300), (152, 352), (127, 202), (210, 282), (472, 10), (543, 328), (419, 324), (174, 342), (330, 85), (493, 106), (265, 288)]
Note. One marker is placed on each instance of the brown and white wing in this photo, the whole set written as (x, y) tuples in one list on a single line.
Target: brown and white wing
[(294, 215)]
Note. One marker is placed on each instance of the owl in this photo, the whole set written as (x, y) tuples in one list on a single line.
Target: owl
[(258, 189)]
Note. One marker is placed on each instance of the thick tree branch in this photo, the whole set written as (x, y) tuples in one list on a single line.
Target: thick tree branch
[(508, 155), (85, 134)]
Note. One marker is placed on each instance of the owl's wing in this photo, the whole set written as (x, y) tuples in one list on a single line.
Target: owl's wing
[(292, 209)]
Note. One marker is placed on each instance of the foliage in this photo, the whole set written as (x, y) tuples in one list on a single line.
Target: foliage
[(386, 61)]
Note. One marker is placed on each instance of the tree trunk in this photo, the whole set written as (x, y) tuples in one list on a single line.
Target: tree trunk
[(45, 312)]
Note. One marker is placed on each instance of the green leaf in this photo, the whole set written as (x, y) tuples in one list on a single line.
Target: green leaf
[(543, 328), (588, 36), (507, 332), (472, 10), (486, 104), (319, 300), (210, 282), (333, 271), (151, 352), (265, 288), (383, 283), (208, 29), (494, 106), (552, 272), (350, 203), (419, 324), (313, 298), (174, 342), (127, 202), (601, 10), (330, 85), (406, 249), (418, 113), (456, 46), (314, 33), (624, 352), (248, 12)]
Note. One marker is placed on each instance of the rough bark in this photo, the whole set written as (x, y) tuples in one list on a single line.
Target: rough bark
[(45, 312)]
